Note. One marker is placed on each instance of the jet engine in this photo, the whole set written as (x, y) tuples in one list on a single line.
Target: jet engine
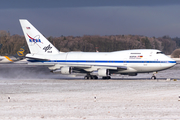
[(101, 72), (66, 70), (63, 70)]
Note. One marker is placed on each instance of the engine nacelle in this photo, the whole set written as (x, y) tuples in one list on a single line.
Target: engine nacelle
[(66, 70), (63, 70), (101, 72)]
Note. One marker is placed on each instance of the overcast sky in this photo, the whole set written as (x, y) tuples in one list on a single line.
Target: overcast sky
[(93, 17)]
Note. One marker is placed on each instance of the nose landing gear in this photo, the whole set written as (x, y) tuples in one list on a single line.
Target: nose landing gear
[(154, 76)]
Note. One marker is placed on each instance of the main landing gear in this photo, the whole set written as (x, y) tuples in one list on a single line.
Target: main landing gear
[(95, 77), (90, 77), (106, 77)]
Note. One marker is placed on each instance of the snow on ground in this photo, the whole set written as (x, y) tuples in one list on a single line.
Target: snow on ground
[(89, 99), (37, 94)]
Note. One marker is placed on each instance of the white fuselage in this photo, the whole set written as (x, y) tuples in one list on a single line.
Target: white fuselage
[(136, 61), (104, 64)]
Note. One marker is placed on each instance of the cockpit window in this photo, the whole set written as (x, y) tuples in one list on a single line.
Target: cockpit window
[(160, 53)]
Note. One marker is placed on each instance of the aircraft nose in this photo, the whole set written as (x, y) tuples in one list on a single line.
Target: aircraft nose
[(173, 62)]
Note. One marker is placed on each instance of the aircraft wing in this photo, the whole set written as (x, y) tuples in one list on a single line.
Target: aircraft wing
[(87, 68), (55, 66)]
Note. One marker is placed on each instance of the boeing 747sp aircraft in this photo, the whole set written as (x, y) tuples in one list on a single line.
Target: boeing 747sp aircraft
[(92, 64)]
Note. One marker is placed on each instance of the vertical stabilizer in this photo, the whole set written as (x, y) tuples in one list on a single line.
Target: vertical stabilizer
[(37, 43), (20, 53), (0, 46)]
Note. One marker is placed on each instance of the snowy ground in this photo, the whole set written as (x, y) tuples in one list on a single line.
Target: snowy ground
[(68, 98)]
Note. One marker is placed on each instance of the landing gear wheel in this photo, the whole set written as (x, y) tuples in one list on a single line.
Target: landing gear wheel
[(106, 77), (90, 77), (153, 77), (86, 77), (95, 77)]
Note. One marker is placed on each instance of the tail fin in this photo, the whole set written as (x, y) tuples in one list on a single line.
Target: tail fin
[(37, 43), (20, 53), (0, 46), (18, 56)]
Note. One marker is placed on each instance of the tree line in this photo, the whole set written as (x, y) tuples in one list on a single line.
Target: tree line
[(91, 43)]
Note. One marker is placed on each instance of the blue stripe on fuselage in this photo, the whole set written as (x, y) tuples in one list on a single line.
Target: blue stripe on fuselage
[(98, 61)]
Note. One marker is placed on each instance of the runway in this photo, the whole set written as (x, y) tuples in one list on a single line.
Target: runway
[(51, 97), (17, 71)]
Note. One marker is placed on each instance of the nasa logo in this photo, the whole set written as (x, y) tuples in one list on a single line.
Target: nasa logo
[(35, 39), (46, 48)]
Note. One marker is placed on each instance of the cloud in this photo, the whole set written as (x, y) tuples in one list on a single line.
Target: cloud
[(136, 18), (30, 4)]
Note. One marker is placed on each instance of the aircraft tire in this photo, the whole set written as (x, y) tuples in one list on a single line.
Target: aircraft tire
[(90, 77), (95, 77), (86, 77), (106, 77), (153, 77)]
